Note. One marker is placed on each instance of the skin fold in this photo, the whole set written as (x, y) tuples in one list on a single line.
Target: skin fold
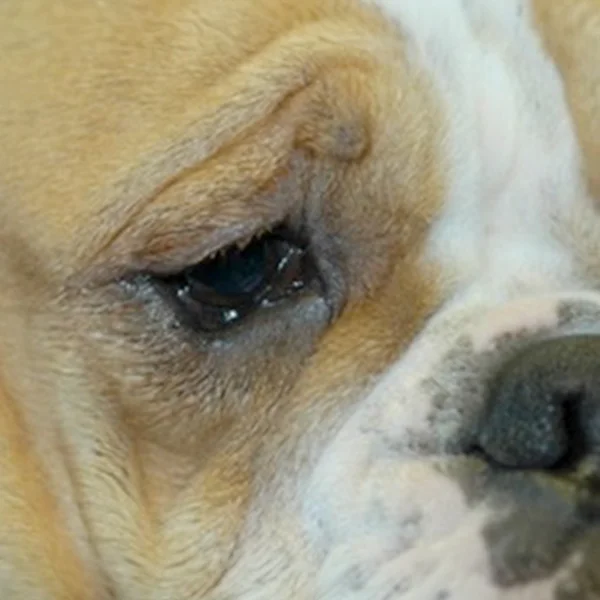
[(447, 186)]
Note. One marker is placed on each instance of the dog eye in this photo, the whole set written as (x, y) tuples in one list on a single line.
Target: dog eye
[(229, 286)]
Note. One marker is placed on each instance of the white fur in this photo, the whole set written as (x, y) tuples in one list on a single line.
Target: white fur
[(513, 185), (513, 163)]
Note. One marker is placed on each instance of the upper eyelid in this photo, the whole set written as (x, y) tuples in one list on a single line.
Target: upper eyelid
[(203, 138), (172, 234), (183, 247), (181, 228)]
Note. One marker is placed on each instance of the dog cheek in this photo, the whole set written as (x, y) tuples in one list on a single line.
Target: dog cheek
[(413, 537), (363, 510)]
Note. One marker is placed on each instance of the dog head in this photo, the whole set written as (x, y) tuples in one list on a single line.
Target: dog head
[(299, 299)]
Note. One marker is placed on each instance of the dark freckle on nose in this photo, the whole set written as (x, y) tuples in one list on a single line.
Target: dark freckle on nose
[(443, 595)]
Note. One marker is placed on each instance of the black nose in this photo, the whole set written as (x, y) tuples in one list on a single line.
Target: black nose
[(543, 405)]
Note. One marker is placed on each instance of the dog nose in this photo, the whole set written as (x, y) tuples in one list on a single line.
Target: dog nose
[(543, 405)]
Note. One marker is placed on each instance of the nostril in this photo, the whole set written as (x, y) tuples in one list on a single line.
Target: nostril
[(571, 405), (540, 404)]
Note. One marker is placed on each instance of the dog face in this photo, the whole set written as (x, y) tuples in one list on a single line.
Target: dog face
[(299, 299)]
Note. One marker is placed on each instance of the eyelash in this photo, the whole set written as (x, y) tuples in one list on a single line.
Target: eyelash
[(222, 291)]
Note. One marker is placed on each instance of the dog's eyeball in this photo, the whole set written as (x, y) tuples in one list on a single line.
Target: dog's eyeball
[(238, 280)]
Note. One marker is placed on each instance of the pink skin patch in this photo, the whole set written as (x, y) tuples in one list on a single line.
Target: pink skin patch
[(526, 317)]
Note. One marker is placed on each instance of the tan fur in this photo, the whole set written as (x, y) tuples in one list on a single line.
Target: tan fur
[(133, 135), (571, 32), (137, 133)]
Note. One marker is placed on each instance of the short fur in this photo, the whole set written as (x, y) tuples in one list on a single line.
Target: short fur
[(444, 158)]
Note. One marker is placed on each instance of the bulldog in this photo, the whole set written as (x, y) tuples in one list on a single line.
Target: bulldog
[(300, 300)]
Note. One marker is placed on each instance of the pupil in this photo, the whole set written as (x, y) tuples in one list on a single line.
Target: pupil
[(237, 273)]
